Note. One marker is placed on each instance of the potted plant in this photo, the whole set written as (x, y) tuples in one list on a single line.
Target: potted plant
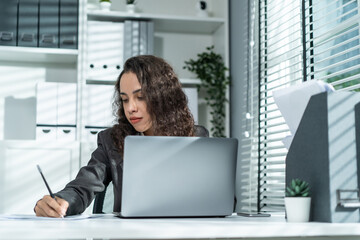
[(201, 7), (105, 5), (211, 70), (297, 201), (130, 6)]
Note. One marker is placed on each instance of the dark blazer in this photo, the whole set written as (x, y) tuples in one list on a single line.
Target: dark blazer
[(105, 165)]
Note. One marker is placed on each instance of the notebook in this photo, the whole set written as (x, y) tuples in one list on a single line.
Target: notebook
[(178, 176)]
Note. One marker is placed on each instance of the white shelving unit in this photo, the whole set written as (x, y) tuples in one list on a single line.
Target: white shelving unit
[(21, 69), (164, 23), (190, 81), (179, 36), (38, 55)]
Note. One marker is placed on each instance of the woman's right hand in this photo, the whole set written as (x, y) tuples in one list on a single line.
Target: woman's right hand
[(49, 207)]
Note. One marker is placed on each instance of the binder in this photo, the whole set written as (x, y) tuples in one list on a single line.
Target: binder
[(98, 106), (143, 38), (127, 40), (138, 38), (28, 23), (66, 111), (56, 111), (46, 103), (104, 50), (150, 38), (69, 24), (135, 37), (49, 23), (8, 22), (66, 104), (46, 110)]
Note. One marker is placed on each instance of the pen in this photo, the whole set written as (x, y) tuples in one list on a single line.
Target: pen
[(47, 185)]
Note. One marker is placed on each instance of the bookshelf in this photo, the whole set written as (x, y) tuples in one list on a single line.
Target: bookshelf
[(179, 35)]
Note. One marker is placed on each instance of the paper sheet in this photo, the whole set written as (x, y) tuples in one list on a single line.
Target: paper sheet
[(293, 100), (34, 217)]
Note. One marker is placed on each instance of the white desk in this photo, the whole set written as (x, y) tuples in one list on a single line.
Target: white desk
[(192, 228)]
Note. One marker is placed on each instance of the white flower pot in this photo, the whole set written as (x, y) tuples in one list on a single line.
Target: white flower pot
[(297, 209), (201, 7), (130, 8), (105, 6)]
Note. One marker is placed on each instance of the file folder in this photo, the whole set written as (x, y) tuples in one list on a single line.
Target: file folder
[(46, 103), (8, 22), (135, 35), (143, 38), (28, 23), (325, 152), (146, 40), (56, 110), (104, 50), (49, 23), (66, 104), (98, 105), (69, 24), (150, 38), (138, 38), (127, 40)]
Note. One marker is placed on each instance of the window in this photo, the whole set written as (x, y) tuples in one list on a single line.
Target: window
[(332, 43), (298, 41)]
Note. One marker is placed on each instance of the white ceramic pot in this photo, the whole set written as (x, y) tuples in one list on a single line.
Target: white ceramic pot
[(297, 209), (105, 6), (201, 7), (130, 8)]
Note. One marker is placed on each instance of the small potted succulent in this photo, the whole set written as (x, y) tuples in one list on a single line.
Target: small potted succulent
[(130, 6), (297, 201), (105, 5)]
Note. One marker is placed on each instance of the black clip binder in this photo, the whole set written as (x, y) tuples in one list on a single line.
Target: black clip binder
[(8, 22), (28, 23), (69, 24), (49, 23)]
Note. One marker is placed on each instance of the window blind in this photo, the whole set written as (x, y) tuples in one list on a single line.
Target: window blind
[(281, 65), (248, 146), (333, 43), (299, 41)]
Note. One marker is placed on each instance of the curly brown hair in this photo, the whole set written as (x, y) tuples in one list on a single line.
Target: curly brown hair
[(166, 102)]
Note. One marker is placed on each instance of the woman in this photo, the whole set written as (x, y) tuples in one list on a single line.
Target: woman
[(149, 101)]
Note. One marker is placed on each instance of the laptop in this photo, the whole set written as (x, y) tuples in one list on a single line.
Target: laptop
[(178, 176)]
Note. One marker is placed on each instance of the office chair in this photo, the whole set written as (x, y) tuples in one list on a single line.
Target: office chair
[(104, 200)]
